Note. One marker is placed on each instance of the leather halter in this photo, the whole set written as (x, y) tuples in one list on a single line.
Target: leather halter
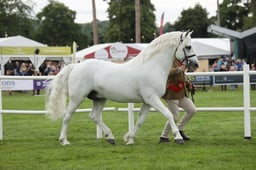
[(186, 57)]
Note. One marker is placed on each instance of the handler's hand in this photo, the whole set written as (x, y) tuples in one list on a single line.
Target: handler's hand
[(182, 68)]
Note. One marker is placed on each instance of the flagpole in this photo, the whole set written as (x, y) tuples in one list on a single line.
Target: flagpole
[(161, 24)]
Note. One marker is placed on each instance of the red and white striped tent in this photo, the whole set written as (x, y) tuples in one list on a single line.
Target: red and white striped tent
[(111, 51), (205, 48)]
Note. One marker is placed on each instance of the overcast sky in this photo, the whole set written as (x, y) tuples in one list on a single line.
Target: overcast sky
[(171, 8)]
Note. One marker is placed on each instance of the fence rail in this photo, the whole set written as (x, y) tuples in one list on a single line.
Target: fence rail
[(246, 109)]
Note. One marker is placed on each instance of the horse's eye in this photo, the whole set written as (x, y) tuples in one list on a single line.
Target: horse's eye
[(188, 47)]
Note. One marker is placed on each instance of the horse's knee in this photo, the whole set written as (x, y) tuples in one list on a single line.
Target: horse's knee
[(94, 117), (66, 118)]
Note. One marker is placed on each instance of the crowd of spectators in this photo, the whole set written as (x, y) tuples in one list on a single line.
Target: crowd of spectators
[(227, 64), (230, 64), (26, 68)]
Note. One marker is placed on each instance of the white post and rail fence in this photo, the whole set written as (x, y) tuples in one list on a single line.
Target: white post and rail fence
[(246, 100)]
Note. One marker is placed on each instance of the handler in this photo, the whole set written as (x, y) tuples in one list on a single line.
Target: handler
[(175, 97)]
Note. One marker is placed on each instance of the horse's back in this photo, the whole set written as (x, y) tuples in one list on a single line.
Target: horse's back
[(123, 82), (110, 80)]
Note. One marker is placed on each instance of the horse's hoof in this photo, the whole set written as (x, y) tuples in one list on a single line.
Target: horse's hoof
[(179, 141), (111, 141), (64, 142), (129, 143)]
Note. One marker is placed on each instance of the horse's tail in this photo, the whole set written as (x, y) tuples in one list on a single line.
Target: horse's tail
[(56, 94)]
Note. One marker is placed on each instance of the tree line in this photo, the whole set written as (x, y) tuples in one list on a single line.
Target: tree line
[(55, 23)]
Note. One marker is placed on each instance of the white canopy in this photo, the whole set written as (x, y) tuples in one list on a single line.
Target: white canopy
[(103, 51), (211, 47), (204, 48), (19, 41), (22, 48)]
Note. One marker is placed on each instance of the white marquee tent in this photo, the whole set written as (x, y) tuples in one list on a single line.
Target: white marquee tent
[(22, 48), (110, 51), (19, 41), (205, 48)]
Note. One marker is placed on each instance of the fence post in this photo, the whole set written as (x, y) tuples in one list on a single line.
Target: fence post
[(1, 108), (130, 116), (247, 121)]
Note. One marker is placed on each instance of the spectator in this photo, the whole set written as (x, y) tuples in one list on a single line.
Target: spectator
[(30, 69), (17, 68), (253, 68), (23, 69), (9, 71), (36, 73), (223, 68), (232, 86)]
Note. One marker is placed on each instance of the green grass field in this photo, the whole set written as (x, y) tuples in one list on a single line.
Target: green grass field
[(217, 138)]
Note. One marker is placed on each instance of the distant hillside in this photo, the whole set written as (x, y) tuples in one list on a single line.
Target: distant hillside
[(102, 27)]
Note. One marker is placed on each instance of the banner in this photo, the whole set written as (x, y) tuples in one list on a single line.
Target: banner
[(221, 80), (17, 85), (13, 85), (45, 51), (40, 84)]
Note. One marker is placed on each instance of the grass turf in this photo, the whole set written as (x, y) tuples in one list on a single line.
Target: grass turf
[(31, 141)]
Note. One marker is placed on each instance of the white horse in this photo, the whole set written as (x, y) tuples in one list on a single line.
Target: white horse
[(140, 80)]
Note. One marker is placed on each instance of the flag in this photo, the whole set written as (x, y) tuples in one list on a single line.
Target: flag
[(161, 24)]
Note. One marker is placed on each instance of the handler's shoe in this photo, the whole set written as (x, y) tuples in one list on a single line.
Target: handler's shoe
[(164, 140), (184, 136)]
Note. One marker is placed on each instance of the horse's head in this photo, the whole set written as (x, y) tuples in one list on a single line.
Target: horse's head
[(184, 51)]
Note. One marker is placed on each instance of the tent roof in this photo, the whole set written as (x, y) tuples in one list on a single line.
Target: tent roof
[(211, 47), (82, 53), (231, 33), (19, 41), (203, 47)]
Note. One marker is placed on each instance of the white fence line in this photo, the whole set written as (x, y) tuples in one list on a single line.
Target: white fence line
[(199, 109), (44, 111), (246, 87), (246, 91), (32, 111)]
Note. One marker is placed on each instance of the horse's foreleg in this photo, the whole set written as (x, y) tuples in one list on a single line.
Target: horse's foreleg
[(158, 105), (95, 115), (129, 137)]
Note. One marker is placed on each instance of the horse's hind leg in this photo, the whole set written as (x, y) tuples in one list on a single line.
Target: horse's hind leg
[(72, 106), (95, 115), (129, 137)]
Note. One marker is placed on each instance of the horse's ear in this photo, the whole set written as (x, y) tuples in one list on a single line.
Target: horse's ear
[(187, 33)]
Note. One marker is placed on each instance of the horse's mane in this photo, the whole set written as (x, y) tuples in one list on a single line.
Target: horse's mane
[(160, 43)]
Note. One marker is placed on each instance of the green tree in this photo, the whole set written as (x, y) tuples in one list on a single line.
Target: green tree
[(168, 27), (250, 19), (57, 26), (87, 30), (121, 15), (194, 19), (15, 18), (232, 14)]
